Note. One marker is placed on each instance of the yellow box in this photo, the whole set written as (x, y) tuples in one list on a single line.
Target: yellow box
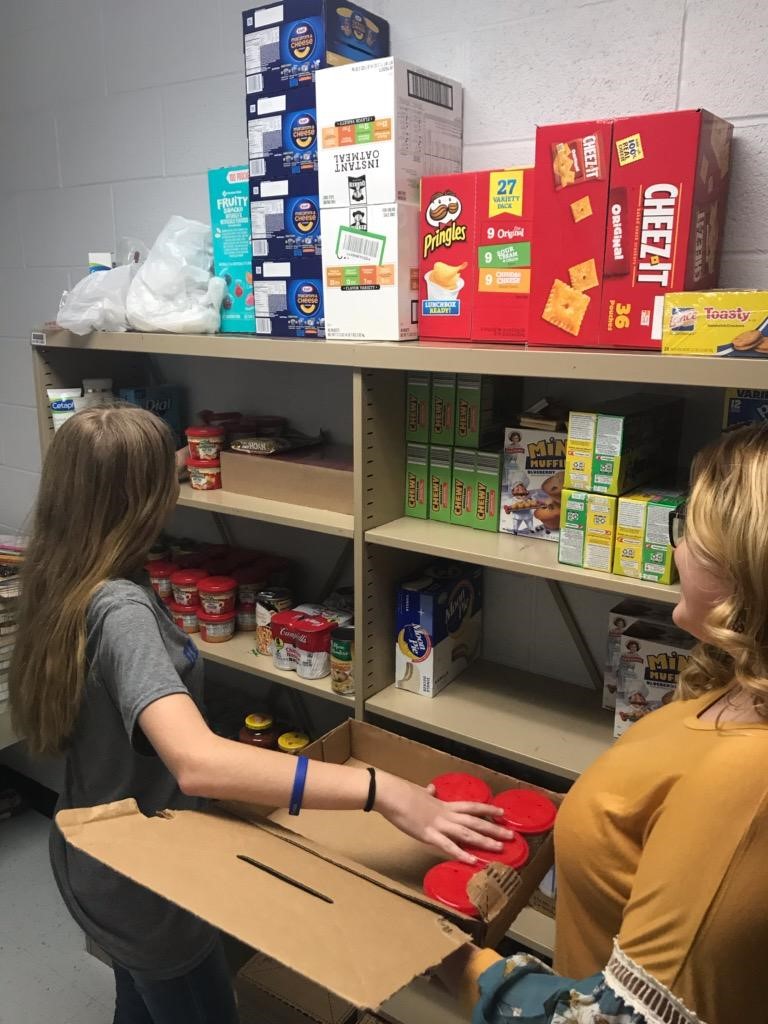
[(722, 323), (643, 550), (587, 530)]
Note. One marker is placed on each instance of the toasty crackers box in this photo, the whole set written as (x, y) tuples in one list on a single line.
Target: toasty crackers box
[(571, 181), (720, 323), (670, 175)]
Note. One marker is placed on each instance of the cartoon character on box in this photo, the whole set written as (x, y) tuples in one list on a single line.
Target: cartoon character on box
[(631, 672), (521, 505), (548, 512), (615, 633), (638, 705)]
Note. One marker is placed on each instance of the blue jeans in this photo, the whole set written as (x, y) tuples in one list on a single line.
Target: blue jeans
[(203, 996)]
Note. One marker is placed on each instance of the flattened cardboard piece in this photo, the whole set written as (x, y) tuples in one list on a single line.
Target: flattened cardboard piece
[(191, 858), (263, 975)]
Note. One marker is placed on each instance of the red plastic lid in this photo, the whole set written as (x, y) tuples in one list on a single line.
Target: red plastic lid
[(514, 854), (188, 577), (195, 560), (447, 883), (211, 617), (183, 609), (204, 463), (159, 568), (250, 574), (217, 584), (460, 786), (204, 432), (526, 811)]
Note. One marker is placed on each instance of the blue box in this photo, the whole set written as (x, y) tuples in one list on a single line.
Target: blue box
[(228, 194), (282, 137), (285, 228), (295, 184), (289, 307), (743, 406), (286, 43), (164, 401)]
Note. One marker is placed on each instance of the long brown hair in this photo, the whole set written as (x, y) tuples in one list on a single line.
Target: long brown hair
[(727, 530), (107, 488)]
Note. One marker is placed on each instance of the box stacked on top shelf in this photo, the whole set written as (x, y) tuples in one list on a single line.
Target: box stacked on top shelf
[(285, 45)]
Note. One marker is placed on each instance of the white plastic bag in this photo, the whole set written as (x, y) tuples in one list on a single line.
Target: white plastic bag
[(173, 289), (97, 302)]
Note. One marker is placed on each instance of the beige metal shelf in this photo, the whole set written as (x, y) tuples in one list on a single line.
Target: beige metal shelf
[(451, 357), (552, 726), (286, 514), (534, 929), (503, 551), (238, 653), (7, 735)]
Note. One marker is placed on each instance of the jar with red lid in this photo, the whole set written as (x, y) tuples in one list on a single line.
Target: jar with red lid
[(245, 615), (160, 577), (251, 579), (185, 616), (184, 583), (460, 787), (216, 629), (217, 594), (513, 854), (204, 475), (259, 731), (447, 883), (205, 442), (528, 812)]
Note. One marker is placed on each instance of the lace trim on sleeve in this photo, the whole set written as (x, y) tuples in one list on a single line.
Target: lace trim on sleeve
[(643, 993)]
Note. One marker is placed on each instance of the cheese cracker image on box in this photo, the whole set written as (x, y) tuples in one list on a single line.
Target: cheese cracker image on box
[(721, 323)]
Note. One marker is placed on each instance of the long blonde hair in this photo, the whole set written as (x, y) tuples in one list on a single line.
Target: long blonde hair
[(107, 488), (726, 529)]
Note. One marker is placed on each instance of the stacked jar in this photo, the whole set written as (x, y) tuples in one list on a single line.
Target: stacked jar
[(217, 612), (204, 462), (185, 598)]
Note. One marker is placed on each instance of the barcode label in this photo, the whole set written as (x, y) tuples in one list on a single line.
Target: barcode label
[(257, 168), (263, 325), (361, 246), (37, 338), (430, 90), (260, 247), (254, 83)]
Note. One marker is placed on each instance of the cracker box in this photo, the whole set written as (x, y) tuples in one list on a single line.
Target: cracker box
[(282, 141), (587, 530), (643, 548), (418, 386), (289, 306), (670, 175), (442, 420), (487, 491), (622, 444), (231, 229), (439, 627), (742, 406), (533, 477), (416, 481), (620, 618), (447, 256), (286, 43), (463, 486), (720, 323), (651, 659), (369, 272), (571, 182), (285, 228), (440, 481), (383, 125)]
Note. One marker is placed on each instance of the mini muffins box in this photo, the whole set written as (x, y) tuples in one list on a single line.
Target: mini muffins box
[(643, 547), (231, 230), (670, 175), (742, 406), (416, 481), (533, 478), (438, 627), (285, 228), (651, 658), (587, 530), (418, 387), (440, 482), (721, 323), (622, 617)]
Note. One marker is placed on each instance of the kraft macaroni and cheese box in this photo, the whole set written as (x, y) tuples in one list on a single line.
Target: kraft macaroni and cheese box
[(231, 229), (282, 140), (442, 419), (285, 228), (463, 486), (439, 627), (651, 658), (533, 479), (670, 175), (440, 480), (487, 491), (620, 618), (416, 482), (286, 43), (742, 406), (384, 124), (418, 387), (643, 549), (720, 323), (164, 401), (587, 530), (289, 306)]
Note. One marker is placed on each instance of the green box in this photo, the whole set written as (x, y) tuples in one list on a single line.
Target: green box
[(463, 483), (417, 392), (474, 409), (440, 469), (643, 550), (487, 491), (442, 419), (416, 474), (587, 530)]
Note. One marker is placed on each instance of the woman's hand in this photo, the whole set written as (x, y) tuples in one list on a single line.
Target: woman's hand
[(419, 814)]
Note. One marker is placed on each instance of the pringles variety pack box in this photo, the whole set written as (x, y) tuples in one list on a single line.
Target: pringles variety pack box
[(231, 231), (721, 323), (475, 255)]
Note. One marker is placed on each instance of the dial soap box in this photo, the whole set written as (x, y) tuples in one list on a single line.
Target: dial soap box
[(228, 194)]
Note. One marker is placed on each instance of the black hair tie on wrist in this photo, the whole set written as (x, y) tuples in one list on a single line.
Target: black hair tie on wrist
[(369, 803)]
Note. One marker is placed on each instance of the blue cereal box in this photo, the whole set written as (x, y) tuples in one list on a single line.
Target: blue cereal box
[(439, 626), (163, 401), (228, 194), (285, 227)]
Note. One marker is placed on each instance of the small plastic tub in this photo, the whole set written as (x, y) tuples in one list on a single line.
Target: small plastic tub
[(245, 614), (526, 811), (185, 617), (293, 742), (447, 883), (204, 475), (514, 854), (184, 583), (160, 573), (216, 629), (205, 443), (217, 594), (460, 787)]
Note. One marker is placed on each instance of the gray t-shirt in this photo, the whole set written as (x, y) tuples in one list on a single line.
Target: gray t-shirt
[(136, 654)]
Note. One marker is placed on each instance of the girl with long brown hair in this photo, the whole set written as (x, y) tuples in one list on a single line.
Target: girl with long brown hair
[(102, 674)]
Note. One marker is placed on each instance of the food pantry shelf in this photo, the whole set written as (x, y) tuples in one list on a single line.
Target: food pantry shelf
[(535, 929), (286, 514), (238, 653), (540, 722), (503, 551)]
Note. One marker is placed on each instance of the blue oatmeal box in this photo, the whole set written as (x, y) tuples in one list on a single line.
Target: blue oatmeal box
[(282, 137), (163, 400), (228, 193), (285, 227)]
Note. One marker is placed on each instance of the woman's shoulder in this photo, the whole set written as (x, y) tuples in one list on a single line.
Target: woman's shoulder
[(118, 593)]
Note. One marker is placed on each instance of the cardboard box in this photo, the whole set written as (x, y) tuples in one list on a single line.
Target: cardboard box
[(416, 481), (442, 419), (369, 272), (722, 323), (544, 899), (289, 307), (650, 662), (620, 618), (477, 401), (622, 444), (163, 400), (463, 486), (371, 872), (315, 477), (447, 256), (231, 229), (571, 180), (286, 43), (533, 477), (670, 175), (383, 125), (440, 483), (268, 991), (282, 137), (643, 549), (418, 387), (587, 530), (284, 228), (487, 491), (742, 406)]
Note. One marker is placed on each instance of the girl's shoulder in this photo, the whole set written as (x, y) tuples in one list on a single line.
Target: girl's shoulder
[(118, 593)]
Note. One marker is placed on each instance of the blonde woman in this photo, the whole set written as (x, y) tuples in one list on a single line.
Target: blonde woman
[(101, 673), (662, 845)]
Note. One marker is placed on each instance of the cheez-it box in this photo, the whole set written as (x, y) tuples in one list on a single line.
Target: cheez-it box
[(571, 181), (670, 175)]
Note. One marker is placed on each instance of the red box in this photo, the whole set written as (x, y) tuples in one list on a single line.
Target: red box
[(670, 175), (571, 181), (475, 255)]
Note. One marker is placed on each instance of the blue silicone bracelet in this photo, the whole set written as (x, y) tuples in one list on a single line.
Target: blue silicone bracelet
[(297, 796)]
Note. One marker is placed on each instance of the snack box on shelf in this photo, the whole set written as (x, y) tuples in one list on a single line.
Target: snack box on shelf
[(533, 475), (288, 302), (228, 195), (643, 546), (620, 618), (282, 138), (418, 390), (442, 416), (319, 477), (651, 658), (742, 406), (439, 491), (285, 228), (416, 481), (587, 530), (729, 323)]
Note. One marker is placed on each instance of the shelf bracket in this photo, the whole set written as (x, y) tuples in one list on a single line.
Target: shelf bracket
[(225, 532), (577, 636)]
